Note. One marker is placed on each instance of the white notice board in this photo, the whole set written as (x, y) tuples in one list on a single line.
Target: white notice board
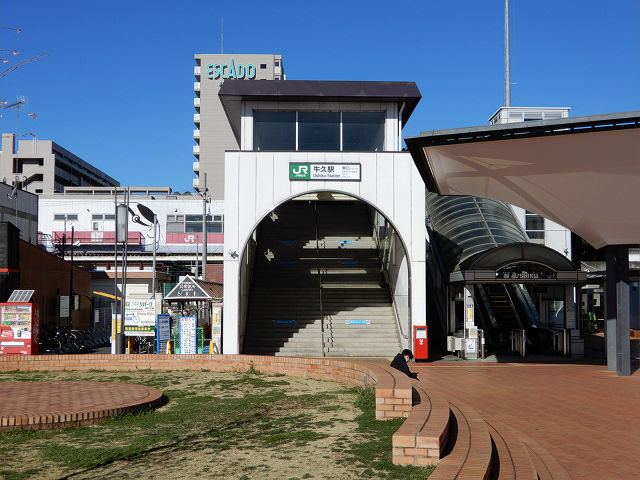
[(188, 335)]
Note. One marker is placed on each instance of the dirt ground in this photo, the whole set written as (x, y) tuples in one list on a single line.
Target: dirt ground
[(314, 442)]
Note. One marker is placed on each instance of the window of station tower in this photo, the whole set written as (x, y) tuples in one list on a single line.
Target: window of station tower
[(318, 131)]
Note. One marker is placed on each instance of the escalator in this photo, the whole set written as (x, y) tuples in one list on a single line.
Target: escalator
[(504, 308), (467, 233)]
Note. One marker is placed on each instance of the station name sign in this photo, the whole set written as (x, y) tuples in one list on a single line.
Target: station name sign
[(231, 70), (526, 275), (325, 171)]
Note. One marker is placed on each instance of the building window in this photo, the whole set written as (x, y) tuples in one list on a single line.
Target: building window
[(193, 223), (363, 131), (318, 131), (274, 131), (534, 226), (263, 66), (65, 216)]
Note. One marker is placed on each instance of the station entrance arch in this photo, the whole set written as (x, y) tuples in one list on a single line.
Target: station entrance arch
[(279, 230)]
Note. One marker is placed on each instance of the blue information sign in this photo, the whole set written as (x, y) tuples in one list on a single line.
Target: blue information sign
[(163, 332)]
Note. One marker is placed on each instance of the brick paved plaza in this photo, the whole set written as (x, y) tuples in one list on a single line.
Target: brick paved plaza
[(584, 415)]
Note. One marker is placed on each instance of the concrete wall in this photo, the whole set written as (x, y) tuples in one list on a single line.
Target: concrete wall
[(555, 235), (257, 182), (24, 207)]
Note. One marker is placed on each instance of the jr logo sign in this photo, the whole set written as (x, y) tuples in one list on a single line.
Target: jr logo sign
[(299, 171)]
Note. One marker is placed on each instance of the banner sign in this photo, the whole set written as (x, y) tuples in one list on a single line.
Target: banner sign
[(163, 332), (216, 320), (325, 171), (188, 335), (139, 318)]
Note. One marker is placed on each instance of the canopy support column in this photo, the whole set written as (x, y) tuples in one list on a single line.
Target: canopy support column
[(618, 310)]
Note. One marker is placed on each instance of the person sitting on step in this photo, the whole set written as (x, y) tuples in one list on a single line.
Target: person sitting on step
[(400, 361)]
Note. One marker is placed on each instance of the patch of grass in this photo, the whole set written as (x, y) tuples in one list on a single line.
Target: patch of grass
[(11, 475), (328, 408), (374, 453), (300, 437)]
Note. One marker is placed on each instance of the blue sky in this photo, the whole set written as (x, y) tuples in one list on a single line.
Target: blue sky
[(117, 88)]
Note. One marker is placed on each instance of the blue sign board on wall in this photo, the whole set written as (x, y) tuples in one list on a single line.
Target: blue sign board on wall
[(163, 332)]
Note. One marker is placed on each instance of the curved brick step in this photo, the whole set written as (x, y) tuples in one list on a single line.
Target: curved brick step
[(511, 459), (521, 457), (470, 455), (422, 437)]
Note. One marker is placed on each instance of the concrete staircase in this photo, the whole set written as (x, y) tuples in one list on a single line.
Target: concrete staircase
[(317, 287)]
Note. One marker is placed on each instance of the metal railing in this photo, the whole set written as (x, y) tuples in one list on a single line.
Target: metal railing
[(562, 341), (481, 343), (518, 342)]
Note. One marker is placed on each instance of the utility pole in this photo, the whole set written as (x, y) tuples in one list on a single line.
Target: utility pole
[(124, 264), (153, 283), (205, 234), (507, 61), (71, 299), (114, 328)]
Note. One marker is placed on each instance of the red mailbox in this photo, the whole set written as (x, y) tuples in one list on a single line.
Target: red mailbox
[(420, 342)]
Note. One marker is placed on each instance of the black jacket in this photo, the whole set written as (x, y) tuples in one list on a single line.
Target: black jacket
[(400, 363)]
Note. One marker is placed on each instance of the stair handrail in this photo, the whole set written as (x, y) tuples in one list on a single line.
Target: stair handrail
[(315, 208), (386, 249), (513, 308)]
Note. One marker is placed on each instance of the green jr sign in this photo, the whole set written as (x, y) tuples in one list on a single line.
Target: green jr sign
[(350, 172), (299, 171)]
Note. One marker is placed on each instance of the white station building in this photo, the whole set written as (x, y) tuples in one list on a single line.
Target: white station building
[(324, 219)]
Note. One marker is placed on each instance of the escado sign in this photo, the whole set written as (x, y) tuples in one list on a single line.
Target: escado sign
[(231, 70)]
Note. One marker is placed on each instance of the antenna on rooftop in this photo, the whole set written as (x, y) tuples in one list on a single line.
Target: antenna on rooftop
[(507, 62), (222, 36)]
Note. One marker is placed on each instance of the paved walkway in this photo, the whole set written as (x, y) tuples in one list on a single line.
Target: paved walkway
[(45, 405), (588, 418)]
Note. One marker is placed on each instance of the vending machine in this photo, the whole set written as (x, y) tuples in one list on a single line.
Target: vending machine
[(19, 328)]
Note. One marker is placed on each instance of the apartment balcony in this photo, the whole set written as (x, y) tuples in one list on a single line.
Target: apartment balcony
[(196, 86), (196, 182), (196, 102), (196, 71), (196, 167), (196, 118), (196, 150), (196, 134)]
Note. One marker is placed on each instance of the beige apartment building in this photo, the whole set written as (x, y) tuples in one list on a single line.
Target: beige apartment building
[(213, 134), (44, 167)]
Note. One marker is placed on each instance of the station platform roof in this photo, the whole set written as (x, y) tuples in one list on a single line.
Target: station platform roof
[(582, 172)]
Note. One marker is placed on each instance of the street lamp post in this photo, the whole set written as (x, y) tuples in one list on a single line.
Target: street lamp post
[(204, 194)]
